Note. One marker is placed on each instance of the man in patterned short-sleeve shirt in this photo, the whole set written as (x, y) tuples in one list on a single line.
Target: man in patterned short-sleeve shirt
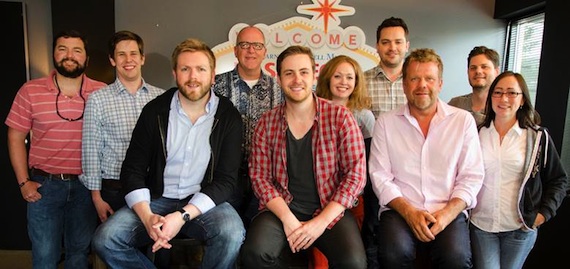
[(253, 93)]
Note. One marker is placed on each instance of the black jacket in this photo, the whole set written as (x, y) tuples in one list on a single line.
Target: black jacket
[(545, 182), (145, 159)]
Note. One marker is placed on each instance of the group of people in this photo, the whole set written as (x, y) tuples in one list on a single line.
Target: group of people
[(261, 168)]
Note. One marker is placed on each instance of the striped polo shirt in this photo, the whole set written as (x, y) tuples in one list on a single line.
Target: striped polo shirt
[(55, 142)]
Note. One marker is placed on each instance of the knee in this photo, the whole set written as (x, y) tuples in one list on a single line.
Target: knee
[(231, 239), (233, 231), (397, 254), (255, 257), (100, 237), (97, 242), (454, 258), (356, 260)]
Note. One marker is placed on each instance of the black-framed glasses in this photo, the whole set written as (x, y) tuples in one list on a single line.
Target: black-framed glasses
[(256, 45), (57, 103), (509, 94)]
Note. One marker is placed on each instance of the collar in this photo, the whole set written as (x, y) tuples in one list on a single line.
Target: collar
[(51, 82), (121, 88), (212, 102)]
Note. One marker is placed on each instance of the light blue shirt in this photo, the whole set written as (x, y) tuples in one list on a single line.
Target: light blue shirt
[(188, 154), (110, 117)]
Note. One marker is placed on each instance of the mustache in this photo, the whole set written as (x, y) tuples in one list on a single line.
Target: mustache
[(190, 82), (69, 59)]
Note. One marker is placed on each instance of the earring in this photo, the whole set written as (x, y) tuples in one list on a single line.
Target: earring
[(520, 107)]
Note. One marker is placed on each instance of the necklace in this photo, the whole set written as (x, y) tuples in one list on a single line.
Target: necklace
[(57, 101)]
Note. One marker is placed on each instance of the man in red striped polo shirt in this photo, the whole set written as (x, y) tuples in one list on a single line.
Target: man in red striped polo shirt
[(50, 110)]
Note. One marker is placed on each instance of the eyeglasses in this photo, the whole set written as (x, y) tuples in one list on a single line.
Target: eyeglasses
[(57, 103), (510, 95), (256, 45)]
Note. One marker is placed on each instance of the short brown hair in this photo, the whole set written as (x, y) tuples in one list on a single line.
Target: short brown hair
[(491, 54), (293, 50), (122, 36), (193, 45), (392, 22)]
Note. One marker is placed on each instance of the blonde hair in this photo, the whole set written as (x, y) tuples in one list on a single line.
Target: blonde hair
[(423, 55)]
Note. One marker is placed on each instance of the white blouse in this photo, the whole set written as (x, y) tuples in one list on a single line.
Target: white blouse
[(497, 202)]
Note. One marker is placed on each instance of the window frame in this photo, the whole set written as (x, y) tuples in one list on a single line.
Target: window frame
[(523, 53)]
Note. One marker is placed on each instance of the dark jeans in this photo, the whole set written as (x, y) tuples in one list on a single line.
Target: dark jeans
[(64, 211), (370, 226), (117, 240), (397, 244), (266, 245)]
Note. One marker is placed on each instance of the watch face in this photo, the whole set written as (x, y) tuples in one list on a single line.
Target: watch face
[(185, 215)]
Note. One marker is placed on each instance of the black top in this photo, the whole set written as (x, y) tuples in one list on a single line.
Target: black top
[(145, 160), (301, 176)]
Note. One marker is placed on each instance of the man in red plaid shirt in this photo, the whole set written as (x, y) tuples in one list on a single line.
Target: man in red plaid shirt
[(307, 167)]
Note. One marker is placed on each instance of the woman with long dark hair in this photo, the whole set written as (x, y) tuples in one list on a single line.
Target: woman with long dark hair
[(524, 182)]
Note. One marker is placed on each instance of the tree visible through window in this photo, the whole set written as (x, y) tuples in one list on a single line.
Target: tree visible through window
[(524, 47)]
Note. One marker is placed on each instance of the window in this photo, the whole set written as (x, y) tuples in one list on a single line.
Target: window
[(524, 41)]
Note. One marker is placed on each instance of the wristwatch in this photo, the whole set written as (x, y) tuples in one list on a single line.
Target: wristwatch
[(185, 215)]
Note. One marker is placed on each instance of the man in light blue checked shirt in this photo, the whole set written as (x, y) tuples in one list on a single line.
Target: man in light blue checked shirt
[(110, 116)]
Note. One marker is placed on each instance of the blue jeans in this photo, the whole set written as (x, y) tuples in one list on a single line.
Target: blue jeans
[(117, 240), (65, 210), (503, 250), (397, 244)]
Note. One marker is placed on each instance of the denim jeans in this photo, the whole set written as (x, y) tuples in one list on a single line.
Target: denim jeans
[(117, 240), (505, 250), (397, 244), (65, 210)]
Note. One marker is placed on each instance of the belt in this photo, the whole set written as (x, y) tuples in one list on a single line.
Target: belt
[(62, 177), (111, 184)]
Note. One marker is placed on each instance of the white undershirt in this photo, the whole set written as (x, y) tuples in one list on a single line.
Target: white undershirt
[(251, 83)]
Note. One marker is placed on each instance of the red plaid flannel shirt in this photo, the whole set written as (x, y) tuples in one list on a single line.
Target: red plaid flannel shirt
[(339, 159)]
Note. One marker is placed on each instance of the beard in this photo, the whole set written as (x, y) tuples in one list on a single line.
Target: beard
[(69, 73), (423, 103), (195, 95), (478, 87)]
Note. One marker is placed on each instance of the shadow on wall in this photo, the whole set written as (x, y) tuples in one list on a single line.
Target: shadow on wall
[(157, 71)]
